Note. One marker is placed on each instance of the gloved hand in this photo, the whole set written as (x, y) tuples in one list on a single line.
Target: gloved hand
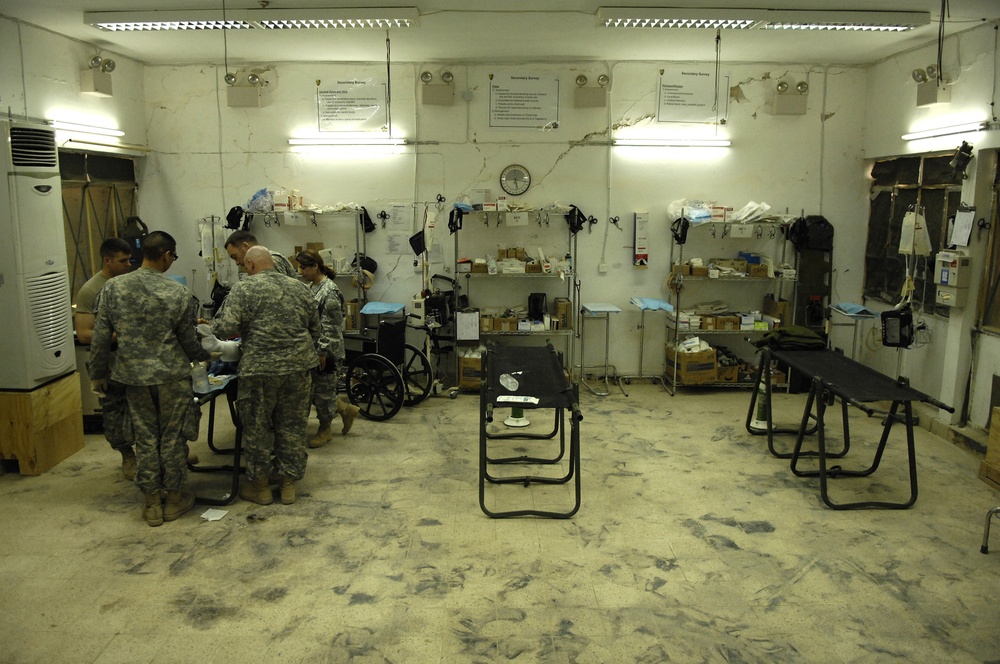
[(228, 351), (99, 387)]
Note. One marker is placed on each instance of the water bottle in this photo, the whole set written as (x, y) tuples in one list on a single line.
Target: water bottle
[(199, 378)]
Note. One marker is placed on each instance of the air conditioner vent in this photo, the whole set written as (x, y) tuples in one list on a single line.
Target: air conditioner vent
[(33, 147), (48, 302)]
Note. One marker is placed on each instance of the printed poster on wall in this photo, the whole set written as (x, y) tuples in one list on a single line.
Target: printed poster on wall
[(352, 105), (688, 94), (524, 101)]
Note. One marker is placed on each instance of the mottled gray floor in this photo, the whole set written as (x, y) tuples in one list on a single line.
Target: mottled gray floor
[(693, 544)]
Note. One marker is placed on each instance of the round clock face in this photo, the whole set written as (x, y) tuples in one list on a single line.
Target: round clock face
[(515, 179)]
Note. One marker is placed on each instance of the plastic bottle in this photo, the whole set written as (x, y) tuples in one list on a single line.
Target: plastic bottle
[(199, 378)]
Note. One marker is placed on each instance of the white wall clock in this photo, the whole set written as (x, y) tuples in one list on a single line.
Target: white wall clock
[(515, 179)]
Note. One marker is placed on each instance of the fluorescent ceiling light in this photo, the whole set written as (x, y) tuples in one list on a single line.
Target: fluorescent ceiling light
[(675, 142), (761, 19), (109, 148), (358, 140), (85, 129), (253, 19), (966, 128)]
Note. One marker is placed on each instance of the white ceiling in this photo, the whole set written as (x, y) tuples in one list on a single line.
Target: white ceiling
[(488, 31)]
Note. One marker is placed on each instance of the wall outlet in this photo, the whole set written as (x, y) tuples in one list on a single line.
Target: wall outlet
[(602, 267)]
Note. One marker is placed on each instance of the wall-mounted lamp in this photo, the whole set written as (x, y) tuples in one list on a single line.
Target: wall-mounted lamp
[(96, 78), (441, 94), (790, 103), (931, 88), (674, 142), (591, 97), (246, 86), (967, 128)]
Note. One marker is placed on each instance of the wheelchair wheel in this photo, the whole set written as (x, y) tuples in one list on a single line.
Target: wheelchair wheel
[(417, 375), (375, 386)]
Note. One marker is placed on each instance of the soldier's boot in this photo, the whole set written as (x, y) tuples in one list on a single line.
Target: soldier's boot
[(257, 491), (287, 488), (348, 412), (128, 462), (192, 458), (177, 503), (323, 435), (152, 510)]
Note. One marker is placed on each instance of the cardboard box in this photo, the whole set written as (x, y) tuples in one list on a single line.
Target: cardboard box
[(728, 374), (501, 324), (708, 322), (727, 323), (485, 323), (478, 268), (470, 372), (681, 269), (699, 271), (693, 368), (564, 313), (737, 264), (780, 309), (352, 315), (757, 271)]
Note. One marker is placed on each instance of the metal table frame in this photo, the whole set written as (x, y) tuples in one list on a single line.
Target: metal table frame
[(541, 384), (230, 390), (603, 312), (835, 376)]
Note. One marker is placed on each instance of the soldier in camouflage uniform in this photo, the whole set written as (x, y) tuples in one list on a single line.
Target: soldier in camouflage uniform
[(153, 318), (279, 325), (238, 243), (330, 303), (116, 260)]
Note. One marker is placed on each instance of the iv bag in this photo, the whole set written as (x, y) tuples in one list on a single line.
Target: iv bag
[(913, 236)]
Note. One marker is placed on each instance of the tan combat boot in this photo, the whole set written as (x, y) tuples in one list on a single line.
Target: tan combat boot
[(152, 510), (128, 462), (348, 412), (287, 487), (177, 503), (257, 491), (323, 435)]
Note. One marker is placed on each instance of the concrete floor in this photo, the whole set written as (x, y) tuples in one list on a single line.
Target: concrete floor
[(692, 544)]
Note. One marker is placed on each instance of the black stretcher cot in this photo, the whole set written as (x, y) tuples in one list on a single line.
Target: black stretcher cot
[(540, 384), (834, 376)]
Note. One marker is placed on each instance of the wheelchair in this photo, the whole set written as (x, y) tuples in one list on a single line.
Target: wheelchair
[(387, 373)]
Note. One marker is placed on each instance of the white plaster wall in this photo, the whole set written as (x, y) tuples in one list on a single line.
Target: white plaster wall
[(942, 368)]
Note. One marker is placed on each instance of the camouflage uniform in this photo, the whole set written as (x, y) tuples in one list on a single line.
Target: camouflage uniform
[(330, 303), (284, 266), (114, 409), (279, 325), (154, 318)]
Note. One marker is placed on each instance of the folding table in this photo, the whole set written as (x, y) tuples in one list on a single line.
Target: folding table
[(834, 376), (529, 377)]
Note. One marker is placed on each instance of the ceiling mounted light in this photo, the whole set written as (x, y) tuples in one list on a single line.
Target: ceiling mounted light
[(254, 19), (966, 128), (919, 75), (85, 129), (763, 19)]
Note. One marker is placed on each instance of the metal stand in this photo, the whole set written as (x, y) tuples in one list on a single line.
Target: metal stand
[(598, 311)]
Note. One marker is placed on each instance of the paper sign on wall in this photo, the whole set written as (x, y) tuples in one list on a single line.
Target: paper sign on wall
[(524, 101), (688, 94), (352, 105)]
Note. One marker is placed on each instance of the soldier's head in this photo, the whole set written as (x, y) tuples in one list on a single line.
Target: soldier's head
[(116, 257), (311, 266), (257, 259), (237, 245), (159, 250)]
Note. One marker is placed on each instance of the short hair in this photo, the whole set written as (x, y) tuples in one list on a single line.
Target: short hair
[(239, 237), (114, 246), (156, 244)]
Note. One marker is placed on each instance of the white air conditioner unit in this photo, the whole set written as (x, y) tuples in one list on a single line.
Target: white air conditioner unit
[(36, 345)]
